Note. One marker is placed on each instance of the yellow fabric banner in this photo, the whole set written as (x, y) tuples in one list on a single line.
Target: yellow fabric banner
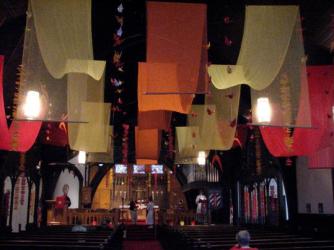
[(107, 157), (187, 145), (266, 39), (64, 35), (93, 135)]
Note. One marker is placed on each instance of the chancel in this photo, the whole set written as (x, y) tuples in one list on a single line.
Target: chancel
[(181, 124)]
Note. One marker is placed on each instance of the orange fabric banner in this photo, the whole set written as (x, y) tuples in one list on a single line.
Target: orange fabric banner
[(170, 102), (147, 145), (177, 41), (154, 119)]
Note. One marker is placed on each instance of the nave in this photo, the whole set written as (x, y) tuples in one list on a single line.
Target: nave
[(138, 237), (223, 237)]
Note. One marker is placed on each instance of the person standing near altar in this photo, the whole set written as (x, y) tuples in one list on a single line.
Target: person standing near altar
[(133, 212), (202, 205), (150, 212), (62, 204)]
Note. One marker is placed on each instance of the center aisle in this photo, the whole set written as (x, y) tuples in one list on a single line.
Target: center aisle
[(141, 245), (140, 237)]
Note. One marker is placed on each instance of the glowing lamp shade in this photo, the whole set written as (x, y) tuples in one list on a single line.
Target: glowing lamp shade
[(201, 158), (263, 110), (82, 157), (32, 105)]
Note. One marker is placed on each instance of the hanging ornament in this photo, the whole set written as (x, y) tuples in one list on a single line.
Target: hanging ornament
[(229, 96), (115, 82), (210, 111), (227, 19), (233, 123), (229, 69), (120, 8), (227, 41), (117, 40), (116, 60), (119, 32), (119, 19)]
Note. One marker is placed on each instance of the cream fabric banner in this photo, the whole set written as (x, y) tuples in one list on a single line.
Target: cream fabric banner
[(217, 120), (266, 39), (187, 145), (93, 135), (107, 157), (64, 35), (82, 88), (59, 63)]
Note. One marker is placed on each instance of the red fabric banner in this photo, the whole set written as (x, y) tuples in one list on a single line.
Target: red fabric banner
[(54, 133), (22, 134), (306, 141)]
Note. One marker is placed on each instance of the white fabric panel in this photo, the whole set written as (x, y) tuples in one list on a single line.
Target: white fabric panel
[(8, 189), (20, 214)]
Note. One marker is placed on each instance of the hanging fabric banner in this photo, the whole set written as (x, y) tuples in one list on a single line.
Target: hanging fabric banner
[(187, 145), (306, 141), (91, 136), (22, 134), (170, 102), (64, 35), (266, 39), (154, 119), (53, 52), (217, 120), (176, 48), (268, 61), (108, 156), (58, 63), (147, 145), (226, 114), (55, 134)]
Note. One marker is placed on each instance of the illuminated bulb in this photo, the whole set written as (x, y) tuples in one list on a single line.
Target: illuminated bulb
[(32, 105), (82, 157), (333, 113), (263, 110), (201, 158)]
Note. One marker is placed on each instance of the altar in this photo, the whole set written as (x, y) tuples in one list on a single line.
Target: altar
[(141, 212), (125, 183)]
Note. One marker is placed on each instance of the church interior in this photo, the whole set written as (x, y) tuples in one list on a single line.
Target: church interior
[(193, 124)]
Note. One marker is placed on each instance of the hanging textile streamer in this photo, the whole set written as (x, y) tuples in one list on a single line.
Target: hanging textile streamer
[(22, 134), (271, 54), (58, 63), (176, 48), (266, 38), (147, 145), (307, 141), (217, 119), (63, 30), (187, 145), (107, 157), (91, 136), (154, 119), (170, 102)]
